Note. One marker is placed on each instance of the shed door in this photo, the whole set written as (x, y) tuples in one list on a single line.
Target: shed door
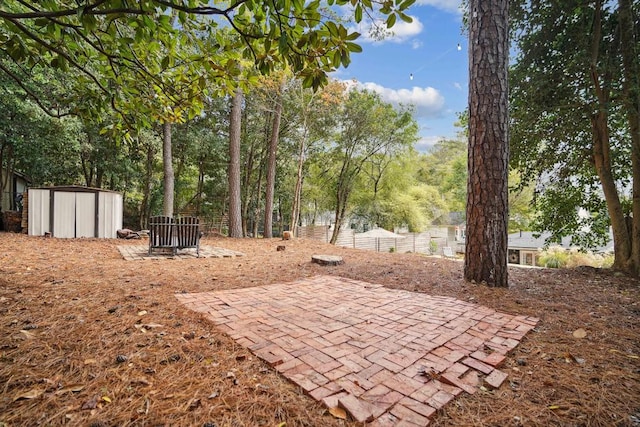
[(85, 215), (38, 208), (64, 214), (74, 214)]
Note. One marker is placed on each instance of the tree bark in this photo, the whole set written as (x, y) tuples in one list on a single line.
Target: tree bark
[(235, 201), (487, 189), (602, 160), (602, 148), (297, 194), (167, 160), (271, 166), (631, 91), (145, 209)]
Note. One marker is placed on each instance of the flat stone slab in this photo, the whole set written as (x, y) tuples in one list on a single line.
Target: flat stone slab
[(391, 356), (140, 252), (327, 259)]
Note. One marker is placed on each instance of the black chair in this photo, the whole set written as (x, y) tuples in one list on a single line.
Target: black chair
[(188, 233), (162, 233)]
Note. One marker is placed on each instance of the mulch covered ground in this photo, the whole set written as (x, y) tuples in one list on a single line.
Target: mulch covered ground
[(87, 338)]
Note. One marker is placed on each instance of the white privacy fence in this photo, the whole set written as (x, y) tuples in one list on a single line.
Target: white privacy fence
[(409, 242)]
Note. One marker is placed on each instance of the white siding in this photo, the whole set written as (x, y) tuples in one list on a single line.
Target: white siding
[(38, 212)]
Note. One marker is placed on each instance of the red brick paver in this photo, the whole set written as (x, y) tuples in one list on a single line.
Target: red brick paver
[(390, 355)]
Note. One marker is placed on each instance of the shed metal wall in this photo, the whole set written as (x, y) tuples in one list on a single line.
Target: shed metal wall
[(69, 212), (109, 214), (39, 211)]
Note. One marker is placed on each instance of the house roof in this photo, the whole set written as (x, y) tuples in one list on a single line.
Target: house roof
[(75, 188), (527, 241)]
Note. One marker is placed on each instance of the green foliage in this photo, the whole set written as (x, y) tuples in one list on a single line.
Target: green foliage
[(558, 257), (156, 60), (444, 168), (565, 79), (554, 257)]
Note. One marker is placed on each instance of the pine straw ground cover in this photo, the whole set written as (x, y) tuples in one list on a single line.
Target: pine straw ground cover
[(87, 338)]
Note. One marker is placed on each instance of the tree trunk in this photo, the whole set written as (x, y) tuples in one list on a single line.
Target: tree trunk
[(297, 194), (145, 208), (167, 160), (602, 159), (342, 199), (602, 149), (631, 91), (3, 177), (235, 201), (271, 166), (487, 189), (246, 202)]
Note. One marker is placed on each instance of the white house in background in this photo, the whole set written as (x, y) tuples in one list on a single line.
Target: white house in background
[(74, 211), (525, 248)]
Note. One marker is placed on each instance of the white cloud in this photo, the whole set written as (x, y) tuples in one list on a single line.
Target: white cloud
[(399, 33), (427, 101), (446, 5), (426, 142), (457, 85)]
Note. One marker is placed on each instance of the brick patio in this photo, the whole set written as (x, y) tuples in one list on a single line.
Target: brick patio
[(140, 252), (388, 357)]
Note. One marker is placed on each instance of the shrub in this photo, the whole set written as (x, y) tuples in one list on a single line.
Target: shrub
[(558, 257), (554, 257)]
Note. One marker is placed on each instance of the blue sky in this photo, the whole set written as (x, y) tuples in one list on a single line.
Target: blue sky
[(426, 49)]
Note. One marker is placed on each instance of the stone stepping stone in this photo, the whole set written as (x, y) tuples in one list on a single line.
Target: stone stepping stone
[(327, 259)]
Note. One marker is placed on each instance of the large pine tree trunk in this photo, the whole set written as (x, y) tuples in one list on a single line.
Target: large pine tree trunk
[(235, 201), (167, 160), (271, 167), (297, 193), (487, 189)]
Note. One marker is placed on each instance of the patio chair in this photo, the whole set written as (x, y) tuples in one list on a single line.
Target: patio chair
[(447, 252), (188, 233), (162, 234)]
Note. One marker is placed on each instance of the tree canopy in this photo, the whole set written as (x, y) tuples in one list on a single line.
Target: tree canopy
[(575, 110), (114, 44)]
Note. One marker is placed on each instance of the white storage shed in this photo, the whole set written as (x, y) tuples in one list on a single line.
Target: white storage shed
[(74, 211)]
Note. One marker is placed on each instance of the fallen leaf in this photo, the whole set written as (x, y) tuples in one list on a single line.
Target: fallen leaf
[(338, 413), (140, 381), (106, 399), (70, 388), (31, 394), (147, 325), (282, 424), (142, 312), (91, 403), (194, 404), (552, 407), (90, 361), (568, 357), (29, 335), (153, 325), (579, 333)]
